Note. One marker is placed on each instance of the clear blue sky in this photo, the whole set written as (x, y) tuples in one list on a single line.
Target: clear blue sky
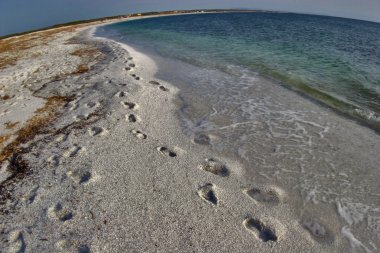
[(22, 15)]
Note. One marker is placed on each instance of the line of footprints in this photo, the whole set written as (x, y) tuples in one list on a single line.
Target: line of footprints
[(207, 192)]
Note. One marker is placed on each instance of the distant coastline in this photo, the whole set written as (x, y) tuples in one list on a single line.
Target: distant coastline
[(152, 14), (143, 14)]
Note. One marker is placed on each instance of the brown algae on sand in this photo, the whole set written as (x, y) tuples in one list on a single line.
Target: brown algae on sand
[(15, 48), (36, 125)]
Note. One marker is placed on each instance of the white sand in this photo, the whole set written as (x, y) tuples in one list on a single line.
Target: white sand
[(101, 183)]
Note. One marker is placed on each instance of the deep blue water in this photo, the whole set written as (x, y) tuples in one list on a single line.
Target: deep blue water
[(334, 60)]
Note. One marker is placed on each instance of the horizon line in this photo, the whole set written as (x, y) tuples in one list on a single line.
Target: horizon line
[(183, 11)]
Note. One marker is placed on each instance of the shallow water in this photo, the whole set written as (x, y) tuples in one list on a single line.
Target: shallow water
[(326, 164), (334, 60)]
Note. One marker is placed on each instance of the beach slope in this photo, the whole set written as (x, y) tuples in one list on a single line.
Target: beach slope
[(94, 160)]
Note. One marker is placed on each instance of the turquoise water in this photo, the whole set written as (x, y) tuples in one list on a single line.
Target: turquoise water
[(334, 60)]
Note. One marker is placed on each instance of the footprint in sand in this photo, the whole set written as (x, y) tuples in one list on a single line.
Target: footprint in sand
[(58, 212), (131, 118), (132, 65), (54, 160), (166, 152), (259, 229), (202, 139), (30, 196), (154, 82), (79, 176), (264, 195), (215, 167), (121, 94), (317, 231), (17, 242), (136, 77), (130, 58), (129, 105), (94, 131), (139, 134), (73, 151), (91, 104), (163, 88), (127, 68), (207, 193), (71, 246)]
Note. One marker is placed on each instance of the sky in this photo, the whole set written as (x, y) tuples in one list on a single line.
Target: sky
[(22, 15)]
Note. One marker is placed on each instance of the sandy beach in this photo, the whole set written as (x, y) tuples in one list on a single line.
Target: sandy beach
[(94, 159)]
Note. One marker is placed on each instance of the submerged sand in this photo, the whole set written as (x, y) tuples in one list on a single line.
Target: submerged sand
[(114, 171)]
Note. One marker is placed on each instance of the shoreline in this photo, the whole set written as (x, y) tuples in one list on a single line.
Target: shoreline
[(335, 119), (363, 116), (321, 98), (116, 171)]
